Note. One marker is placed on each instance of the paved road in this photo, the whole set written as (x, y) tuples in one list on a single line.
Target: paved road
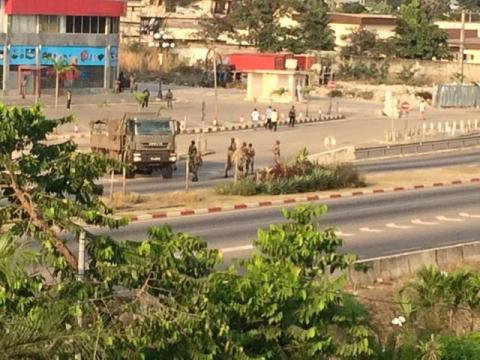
[(212, 172), (371, 226)]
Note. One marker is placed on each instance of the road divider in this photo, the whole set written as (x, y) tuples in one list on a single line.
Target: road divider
[(294, 199)]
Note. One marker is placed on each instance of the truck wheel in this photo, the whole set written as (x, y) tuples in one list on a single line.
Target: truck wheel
[(167, 172)]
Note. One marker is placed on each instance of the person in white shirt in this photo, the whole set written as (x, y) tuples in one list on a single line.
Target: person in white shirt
[(255, 118), (422, 107), (274, 119)]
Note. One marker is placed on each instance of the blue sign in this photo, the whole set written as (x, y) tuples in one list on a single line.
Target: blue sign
[(22, 55), (74, 55)]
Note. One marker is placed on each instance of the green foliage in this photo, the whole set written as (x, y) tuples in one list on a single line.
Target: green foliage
[(354, 70), (260, 19), (417, 37), (461, 348), (360, 42), (352, 8), (407, 74), (280, 303)]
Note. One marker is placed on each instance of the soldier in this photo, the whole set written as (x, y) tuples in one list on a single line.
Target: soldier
[(250, 158), (276, 152), (242, 164), (192, 150), (195, 166), (230, 152)]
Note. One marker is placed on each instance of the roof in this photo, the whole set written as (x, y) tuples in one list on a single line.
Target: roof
[(363, 19), (455, 33)]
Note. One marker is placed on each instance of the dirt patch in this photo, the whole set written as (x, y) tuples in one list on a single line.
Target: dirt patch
[(133, 203)]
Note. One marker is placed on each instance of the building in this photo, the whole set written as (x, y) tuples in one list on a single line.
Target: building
[(344, 24), (176, 30), (85, 33)]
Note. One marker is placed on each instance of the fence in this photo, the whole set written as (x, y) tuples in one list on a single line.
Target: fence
[(457, 96)]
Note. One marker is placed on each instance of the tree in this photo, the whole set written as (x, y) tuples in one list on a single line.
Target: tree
[(471, 5), (353, 8), (61, 67), (47, 189), (360, 42), (417, 37), (283, 25)]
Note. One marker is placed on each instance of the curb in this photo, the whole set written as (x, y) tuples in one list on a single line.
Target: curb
[(293, 200), (216, 129)]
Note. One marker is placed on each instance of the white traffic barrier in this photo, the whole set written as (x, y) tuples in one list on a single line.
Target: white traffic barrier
[(439, 128), (462, 127)]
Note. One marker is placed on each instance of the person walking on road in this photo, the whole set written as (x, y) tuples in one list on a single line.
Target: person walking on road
[(133, 83), (255, 118), (274, 120), (192, 151), (169, 97), (243, 163), (422, 107), (250, 159), (268, 118), (292, 114), (197, 162), (230, 152), (69, 99), (276, 152), (146, 98)]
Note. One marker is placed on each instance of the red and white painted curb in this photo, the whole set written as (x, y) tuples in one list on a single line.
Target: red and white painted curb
[(242, 126), (289, 201)]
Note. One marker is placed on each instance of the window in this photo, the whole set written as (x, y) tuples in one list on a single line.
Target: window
[(114, 25), (222, 7), (86, 24), (24, 24), (49, 24)]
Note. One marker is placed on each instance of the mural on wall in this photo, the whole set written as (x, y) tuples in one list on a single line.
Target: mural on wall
[(75, 55)]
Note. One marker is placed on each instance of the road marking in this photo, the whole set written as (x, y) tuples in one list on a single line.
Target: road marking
[(367, 229), (473, 216), (444, 218), (237, 249), (342, 234), (395, 226), (421, 222), (402, 250)]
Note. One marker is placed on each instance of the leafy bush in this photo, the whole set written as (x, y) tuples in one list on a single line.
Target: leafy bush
[(300, 176), (336, 93), (366, 95), (461, 348), (407, 74)]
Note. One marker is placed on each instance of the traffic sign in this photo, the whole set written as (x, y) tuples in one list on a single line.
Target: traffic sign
[(405, 106), (332, 84)]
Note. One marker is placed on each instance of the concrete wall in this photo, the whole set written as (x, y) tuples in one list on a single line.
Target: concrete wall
[(397, 266)]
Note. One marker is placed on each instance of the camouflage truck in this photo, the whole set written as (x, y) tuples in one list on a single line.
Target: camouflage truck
[(145, 142)]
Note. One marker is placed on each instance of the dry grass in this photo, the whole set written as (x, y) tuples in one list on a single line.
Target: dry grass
[(145, 62)]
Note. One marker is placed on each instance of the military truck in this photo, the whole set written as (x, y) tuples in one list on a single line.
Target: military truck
[(144, 141)]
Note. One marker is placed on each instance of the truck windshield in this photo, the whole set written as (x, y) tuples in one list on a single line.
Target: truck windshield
[(152, 127)]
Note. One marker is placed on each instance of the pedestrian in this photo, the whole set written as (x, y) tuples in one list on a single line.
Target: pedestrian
[(243, 163), (195, 166), (422, 107), (292, 114), (133, 83), (230, 152), (276, 152), (146, 98), (255, 118), (23, 87), (69, 99), (299, 93), (121, 80), (250, 159), (268, 117), (160, 94), (274, 120), (169, 97)]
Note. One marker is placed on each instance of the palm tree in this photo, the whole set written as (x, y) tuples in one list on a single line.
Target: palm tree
[(61, 67)]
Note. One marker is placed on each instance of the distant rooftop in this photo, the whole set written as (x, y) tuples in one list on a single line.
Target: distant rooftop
[(363, 19)]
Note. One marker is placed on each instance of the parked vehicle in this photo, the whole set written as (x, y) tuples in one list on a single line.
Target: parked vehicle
[(144, 141)]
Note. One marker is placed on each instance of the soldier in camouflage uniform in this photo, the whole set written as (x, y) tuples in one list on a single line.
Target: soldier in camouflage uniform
[(195, 165)]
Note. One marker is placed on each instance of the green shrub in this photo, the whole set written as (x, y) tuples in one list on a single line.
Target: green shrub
[(366, 95), (461, 348), (336, 93)]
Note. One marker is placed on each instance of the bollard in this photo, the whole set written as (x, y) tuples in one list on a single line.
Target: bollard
[(475, 124), (469, 125), (300, 116), (454, 128), (241, 119), (75, 129), (462, 127), (439, 128)]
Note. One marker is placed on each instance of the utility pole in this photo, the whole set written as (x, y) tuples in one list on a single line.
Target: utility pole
[(462, 46), (215, 85)]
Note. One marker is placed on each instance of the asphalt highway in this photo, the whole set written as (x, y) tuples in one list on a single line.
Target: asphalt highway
[(371, 226), (212, 173)]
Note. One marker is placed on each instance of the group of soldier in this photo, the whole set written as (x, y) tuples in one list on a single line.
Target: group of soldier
[(244, 157)]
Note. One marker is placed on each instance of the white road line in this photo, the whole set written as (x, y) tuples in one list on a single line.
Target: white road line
[(342, 234), (444, 218), (402, 250), (421, 222), (473, 216), (367, 229), (237, 249), (395, 226)]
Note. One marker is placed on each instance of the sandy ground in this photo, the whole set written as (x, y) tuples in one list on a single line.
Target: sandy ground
[(133, 203)]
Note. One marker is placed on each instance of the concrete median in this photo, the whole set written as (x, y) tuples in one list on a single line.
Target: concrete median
[(406, 264)]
